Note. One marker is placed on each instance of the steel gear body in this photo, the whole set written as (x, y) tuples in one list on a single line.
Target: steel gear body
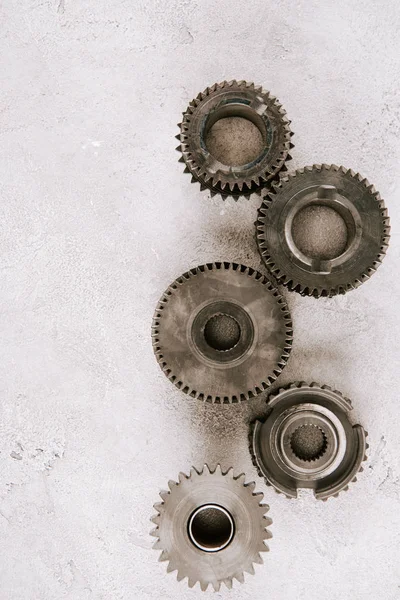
[(211, 527), (307, 441), (222, 333), (360, 207), (234, 99)]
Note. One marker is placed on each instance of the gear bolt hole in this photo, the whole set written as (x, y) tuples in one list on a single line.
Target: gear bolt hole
[(308, 442), (211, 528), (222, 332)]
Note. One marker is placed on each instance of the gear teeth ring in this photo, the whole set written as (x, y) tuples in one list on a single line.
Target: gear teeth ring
[(230, 533), (222, 333), (334, 464), (362, 210), (234, 99)]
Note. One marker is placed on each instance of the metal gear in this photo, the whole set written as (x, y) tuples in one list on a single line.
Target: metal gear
[(222, 333), (365, 220), (234, 99), (211, 527), (307, 441)]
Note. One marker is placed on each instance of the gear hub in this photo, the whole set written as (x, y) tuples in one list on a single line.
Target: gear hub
[(298, 247), (246, 111), (222, 333), (307, 441), (211, 527)]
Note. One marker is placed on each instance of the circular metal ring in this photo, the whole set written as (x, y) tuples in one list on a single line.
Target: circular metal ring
[(357, 204), (211, 528), (240, 100), (307, 441)]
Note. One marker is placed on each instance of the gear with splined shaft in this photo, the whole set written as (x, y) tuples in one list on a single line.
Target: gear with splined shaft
[(306, 440), (211, 527), (234, 99), (222, 333), (357, 205)]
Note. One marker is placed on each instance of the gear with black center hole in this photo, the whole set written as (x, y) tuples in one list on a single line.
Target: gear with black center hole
[(211, 527), (222, 332), (307, 441), (228, 101), (309, 260)]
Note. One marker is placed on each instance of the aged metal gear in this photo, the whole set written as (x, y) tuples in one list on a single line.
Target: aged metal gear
[(211, 527), (234, 99), (222, 333), (365, 220), (307, 441)]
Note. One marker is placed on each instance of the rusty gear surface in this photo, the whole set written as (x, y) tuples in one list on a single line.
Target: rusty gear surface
[(222, 333), (211, 527), (307, 441), (234, 99), (360, 207)]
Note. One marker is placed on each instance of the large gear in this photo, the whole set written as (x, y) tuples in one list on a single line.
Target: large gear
[(211, 527), (307, 441), (355, 203), (222, 333), (234, 99)]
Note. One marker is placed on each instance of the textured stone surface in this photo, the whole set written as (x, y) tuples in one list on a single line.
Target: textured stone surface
[(97, 219)]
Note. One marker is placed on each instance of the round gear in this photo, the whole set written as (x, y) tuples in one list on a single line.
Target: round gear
[(301, 264), (234, 99), (222, 333), (307, 441), (211, 527)]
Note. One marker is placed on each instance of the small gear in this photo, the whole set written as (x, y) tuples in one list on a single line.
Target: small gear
[(298, 260), (222, 333), (211, 527), (227, 100), (307, 441)]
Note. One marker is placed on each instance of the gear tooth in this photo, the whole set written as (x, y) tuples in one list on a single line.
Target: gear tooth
[(157, 545), (155, 519), (203, 585), (180, 575), (249, 569), (228, 583), (239, 577), (163, 556), (192, 581), (171, 567), (158, 506), (172, 484), (182, 477), (216, 585), (178, 148), (164, 494), (258, 559), (218, 470), (251, 485), (351, 173), (154, 532)]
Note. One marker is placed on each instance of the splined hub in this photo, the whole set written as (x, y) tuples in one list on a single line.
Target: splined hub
[(307, 441), (211, 527), (301, 251), (241, 106), (222, 333)]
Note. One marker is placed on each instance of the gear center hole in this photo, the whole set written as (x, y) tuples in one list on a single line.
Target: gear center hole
[(308, 442), (222, 332), (234, 141), (319, 231), (211, 528)]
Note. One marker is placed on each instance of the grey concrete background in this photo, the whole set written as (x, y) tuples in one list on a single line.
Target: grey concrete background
[(97, 219)]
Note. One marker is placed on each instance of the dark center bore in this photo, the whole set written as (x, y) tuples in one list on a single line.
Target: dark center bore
[(234, 141), (222, 332), (211, 528), (320, 232), (308, 442)]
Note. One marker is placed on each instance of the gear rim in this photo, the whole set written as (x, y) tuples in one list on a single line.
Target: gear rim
[(334, 469), (231, 367), (238, 98), (365, 216), (222, 488)]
